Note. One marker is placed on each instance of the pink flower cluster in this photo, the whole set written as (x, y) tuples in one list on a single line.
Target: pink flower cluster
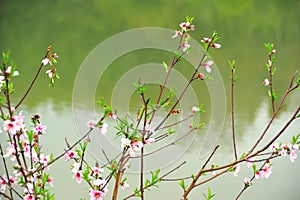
[(98, 184), (135, 145), (94, 124), (264, 172), (185, 27), (208, 41), (286, 149), (25, 143)]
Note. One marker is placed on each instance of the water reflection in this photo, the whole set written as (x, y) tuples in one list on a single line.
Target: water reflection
[(74, 29), (225, 188)]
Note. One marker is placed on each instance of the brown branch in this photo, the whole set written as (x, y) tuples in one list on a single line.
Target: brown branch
[(160, 179), (288, 90), (195, 179)]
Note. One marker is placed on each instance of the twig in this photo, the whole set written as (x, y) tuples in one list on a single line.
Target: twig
[(289, 89), (195, 179), (232, 109), (34, 79), (160, 179), (170, 144)]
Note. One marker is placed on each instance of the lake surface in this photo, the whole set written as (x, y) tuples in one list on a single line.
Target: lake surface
[(75, 28)]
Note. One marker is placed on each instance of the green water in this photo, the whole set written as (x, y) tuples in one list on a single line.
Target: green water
[(74, 28)]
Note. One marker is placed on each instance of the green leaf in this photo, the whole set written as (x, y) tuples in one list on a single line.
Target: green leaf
[(295, 139), (171, 131), (201, 124), (165, 66), (231, 64), (171, 93), (254, 167), (5, 56), (209, 195), (182, 184), (176, 55), (272, 95), (140, 88), (101, 102), (274, 70), (137, 192), (269, 47)]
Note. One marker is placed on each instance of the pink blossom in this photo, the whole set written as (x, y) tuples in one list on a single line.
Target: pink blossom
[(192, 27), (206, 40), (177, 33), (293, 155), (103, 128), (274, 147), (3, 183), (28, 197), (185, 46), (45, 61), (8, 71), (267, 169), (259, 174), (39, 128), (75, 167), (283, 151), (125, 142), (44, 159), (54, 55), (10, 150), (70, 154), (273, 51), (124, 185), (265, 172), (50, 181), (112, 115), (184, 25), (10, 126), (50, 73), (136, 146), (92, 123), (195, 109), (216, 45), (266, 82), (201, 76), (150, 141), (78, 176), (236, 170), (99, 182), (207, 65), (247, 181), (96, 194), (97, 171), (270, 63)]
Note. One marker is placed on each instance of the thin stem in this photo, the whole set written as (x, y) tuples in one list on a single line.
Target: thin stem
[(62, 154), (188, 84), (170, 144), (174, 61), (289, 89), (232, 111), (160, 179), (142, 150), (195, 179), (271, 82), (252, 178), (34, 79), (6, 171)]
